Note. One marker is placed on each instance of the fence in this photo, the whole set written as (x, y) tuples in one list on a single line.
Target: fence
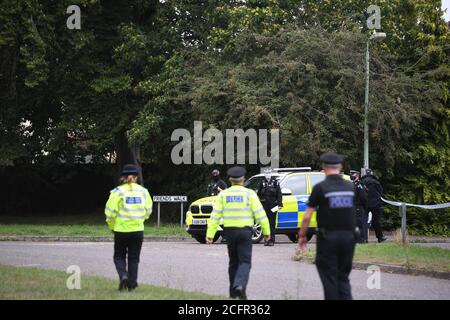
[(402, 208)]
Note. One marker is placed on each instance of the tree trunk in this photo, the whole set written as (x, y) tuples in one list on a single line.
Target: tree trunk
[(127, 154)]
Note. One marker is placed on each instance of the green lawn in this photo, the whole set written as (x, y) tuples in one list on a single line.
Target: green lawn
[(82, 230), (32, 283), (74, 225), (411, 255)]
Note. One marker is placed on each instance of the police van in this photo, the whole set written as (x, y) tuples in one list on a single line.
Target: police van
[(296, 185)]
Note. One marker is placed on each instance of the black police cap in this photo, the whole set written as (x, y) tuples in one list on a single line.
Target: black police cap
[(129, 169), (354, 171), (236, 172), (331, 158)]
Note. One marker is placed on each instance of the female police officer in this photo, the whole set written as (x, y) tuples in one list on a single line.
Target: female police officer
[(128, 206)]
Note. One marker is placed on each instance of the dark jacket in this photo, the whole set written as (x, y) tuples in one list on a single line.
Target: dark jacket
[(375, 191), (270, 193), (361, 196), (214, 185)]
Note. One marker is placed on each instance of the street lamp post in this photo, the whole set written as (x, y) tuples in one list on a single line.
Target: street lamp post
[(375, 36)]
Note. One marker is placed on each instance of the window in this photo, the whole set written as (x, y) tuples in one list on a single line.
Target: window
[(297, 184), (316, 178), (253, 183)]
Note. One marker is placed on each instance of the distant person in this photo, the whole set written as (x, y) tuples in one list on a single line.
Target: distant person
[(375, 204), (239, 208), (360, 205), (336, 237), (216, 185), (269, 192), (128, 206)]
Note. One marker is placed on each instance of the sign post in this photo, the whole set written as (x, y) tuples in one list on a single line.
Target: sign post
[(180, 199)]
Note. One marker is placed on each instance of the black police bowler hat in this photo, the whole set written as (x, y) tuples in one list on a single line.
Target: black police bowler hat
[(130, 169), (331, 158), (236, 172)]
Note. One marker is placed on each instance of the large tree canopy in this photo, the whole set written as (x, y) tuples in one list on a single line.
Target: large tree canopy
[(136, 70)]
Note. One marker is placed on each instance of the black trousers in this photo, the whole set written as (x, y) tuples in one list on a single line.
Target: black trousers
[(239, 243), (361, 220), (128, 243), (334, 260), (272, 216), (376, 221)]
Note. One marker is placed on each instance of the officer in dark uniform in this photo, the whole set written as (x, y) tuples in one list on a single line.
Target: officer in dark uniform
[(361, 198), (269, 192), (216, 185), (334, 200), (375, 204)]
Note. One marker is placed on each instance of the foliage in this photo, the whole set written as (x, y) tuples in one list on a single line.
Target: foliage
[(436, 230), (139, 69)]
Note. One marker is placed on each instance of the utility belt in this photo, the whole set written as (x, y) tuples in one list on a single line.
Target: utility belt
[(269, 199), (238, 228), (270, 202), (324, 230)]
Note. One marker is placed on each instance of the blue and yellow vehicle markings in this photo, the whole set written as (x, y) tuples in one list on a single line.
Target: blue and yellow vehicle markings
[(291, 215)]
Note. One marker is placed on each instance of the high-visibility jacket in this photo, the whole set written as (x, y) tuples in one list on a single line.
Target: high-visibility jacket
[(239, 207), (128, 206)]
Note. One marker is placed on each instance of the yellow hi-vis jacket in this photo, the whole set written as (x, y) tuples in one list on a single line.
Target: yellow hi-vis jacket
[(239, 207), (128, 206)]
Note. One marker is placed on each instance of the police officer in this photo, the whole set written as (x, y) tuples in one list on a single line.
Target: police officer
[(334, 200), (240, 208), (360, 205), (128, 206), (216, 185), (269, 193), (375, 204)]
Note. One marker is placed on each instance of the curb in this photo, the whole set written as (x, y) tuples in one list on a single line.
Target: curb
[(160, 239), (413, 241), (87, 239), (424, 240), (389, 268), (403, 270)]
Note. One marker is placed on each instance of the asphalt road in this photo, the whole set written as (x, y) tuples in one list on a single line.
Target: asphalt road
[(195, 267)]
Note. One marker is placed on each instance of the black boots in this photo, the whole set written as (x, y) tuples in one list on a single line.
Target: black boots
[(123, 284), (269, 243), (241, 295), (382, 239)]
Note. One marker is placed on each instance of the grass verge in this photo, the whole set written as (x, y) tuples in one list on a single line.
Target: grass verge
[(24, 283), (82, 230), (75, 225), (409, 256)]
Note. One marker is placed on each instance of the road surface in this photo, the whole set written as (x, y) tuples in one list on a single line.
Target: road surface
[(194, 267)]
